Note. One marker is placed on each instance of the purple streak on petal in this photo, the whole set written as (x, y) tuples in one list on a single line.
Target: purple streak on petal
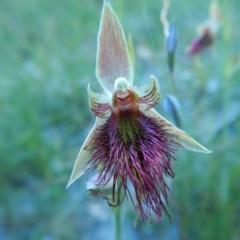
[(142, 156), (151, 96), (100, 110)]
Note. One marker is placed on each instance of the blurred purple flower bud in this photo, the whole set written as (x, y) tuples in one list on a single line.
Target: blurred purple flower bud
[(207, 31)]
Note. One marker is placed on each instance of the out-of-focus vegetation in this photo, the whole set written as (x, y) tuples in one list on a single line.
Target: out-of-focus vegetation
[(48, 51)]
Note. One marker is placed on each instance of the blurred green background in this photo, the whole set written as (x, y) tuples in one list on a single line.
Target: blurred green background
[(47, 58)]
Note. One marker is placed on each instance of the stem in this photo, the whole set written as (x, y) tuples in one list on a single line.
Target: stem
[(227, 64), (117, 218)]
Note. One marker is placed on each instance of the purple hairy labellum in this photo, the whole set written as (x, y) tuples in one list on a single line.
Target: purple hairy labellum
[(131, 146)]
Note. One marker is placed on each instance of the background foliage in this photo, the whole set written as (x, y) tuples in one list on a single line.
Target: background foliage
[(48, 51)]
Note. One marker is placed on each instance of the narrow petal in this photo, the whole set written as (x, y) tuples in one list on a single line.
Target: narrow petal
[(149, 95), (184, 140), (99, 103), (131, 48), (83, 156), (113, 58)]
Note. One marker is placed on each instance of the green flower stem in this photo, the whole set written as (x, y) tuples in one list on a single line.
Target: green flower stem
[(227, 62), (117, 217), (117, 223)]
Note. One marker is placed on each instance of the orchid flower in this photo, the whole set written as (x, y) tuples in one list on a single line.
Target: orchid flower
[(131, 145), (207, 31)]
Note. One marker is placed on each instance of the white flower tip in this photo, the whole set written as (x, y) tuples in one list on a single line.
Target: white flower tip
[(155, 82), (121, 84), (153, 77), (88, 88), (69, 183), (208, 151)]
